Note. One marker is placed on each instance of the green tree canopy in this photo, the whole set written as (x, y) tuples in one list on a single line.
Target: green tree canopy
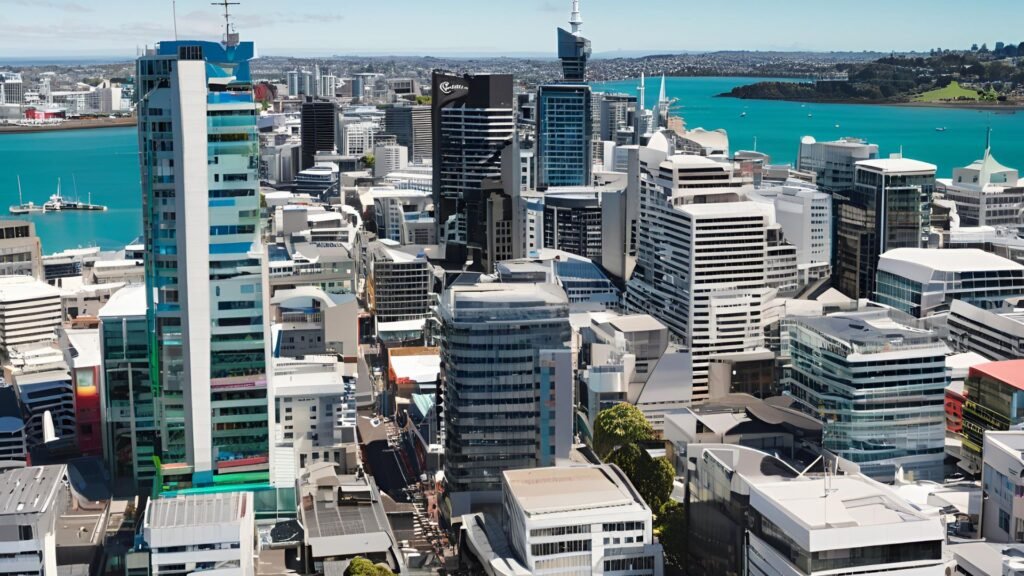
[(618, 426), (423, 99), (363, 567), (672, 521), (652, 477)]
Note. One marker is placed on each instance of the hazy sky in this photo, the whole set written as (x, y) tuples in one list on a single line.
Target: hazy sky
[(30, 28)]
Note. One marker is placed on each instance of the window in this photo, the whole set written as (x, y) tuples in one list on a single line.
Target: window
[(1004, 521)]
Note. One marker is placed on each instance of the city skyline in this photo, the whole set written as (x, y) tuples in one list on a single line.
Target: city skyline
[(58, 28)]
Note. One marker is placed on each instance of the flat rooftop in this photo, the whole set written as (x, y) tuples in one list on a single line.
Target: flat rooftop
[(567, 489), (948, 260), (16, 288), (636, 323), (897, 165), (1009, 371), (197, 510)]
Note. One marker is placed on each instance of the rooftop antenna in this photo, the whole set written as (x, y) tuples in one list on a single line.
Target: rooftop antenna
[(227, 16), (576, 20), (174, 16)]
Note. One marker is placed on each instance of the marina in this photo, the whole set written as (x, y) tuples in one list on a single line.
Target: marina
[(56, 203)]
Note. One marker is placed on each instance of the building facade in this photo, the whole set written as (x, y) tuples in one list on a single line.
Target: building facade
[(411, 128), (204, 279), (317, 133), (995, 403), (20, 249), (564, 134)]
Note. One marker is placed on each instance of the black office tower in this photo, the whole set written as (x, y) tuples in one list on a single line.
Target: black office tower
[(474, 125), (318, 120), (410, 126)]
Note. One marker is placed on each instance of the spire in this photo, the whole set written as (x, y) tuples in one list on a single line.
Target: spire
[(227, 19), (576, 21), (661, 95), (643, 91), (988, 141)]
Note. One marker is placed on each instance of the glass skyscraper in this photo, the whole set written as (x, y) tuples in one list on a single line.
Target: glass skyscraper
[(199, 156), (564, 132)]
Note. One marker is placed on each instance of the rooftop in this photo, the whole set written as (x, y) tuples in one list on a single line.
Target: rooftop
[(568, 489), (14, 288), (896, 165), (1010, 372), (197, 510), (29, 490), (129, 301), (919, 263), (636, 323)]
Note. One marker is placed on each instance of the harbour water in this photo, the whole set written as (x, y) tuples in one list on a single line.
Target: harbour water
[(105, 161)]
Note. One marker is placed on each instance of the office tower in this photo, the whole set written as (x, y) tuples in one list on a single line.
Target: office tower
[(403, 216), (995, 391), (474, 125), (204, 279), (13, 445), (328, 85), (42, 380), (878, 386), (805, 215), (889, 207), (586, 516), (397, 283), (924, 282), (618, 113), (508, 379), (572, 222), (701, 270), (20, 249), (411, 127), (986, 193), (129, 425), (12, 89), (318, 118), (30, 311), (356, 137), (833, 162), (564, 134), (388, 159)]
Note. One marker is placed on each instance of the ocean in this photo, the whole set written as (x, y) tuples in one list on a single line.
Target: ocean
[(105, 161)]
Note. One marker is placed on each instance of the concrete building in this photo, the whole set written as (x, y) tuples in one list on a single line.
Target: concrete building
[(583, 518), (995, 394), (617, 119), (12, 88), (842, 363), (205, 282), (573, 221), (318, 120), (703, 270), (34, 500), (924, 282), (508, 380), (986, 193), (30, 311), (211, 532), (130, 426), (388, 159), (1002, 518), (995, 334), (584, 282), (13, 445), (760, 515), (805, 215), (43, 383), (404, 216), (20, 249), (397, 283), (889, 207), (834, 162), (356, 138), (411, 127)]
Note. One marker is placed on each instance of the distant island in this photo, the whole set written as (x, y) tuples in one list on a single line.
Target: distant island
[(975, 78)]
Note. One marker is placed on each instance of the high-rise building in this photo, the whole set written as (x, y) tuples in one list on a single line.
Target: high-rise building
[(702, 271), (833, 162), (572, 222), (878, 386), (20, 249), (30, 311), (805, 215), (888, 207), (388, 159), (474, 122), (617, 119), (573, 48), (204, 277), (411, 127), (12, 89), (564, 134), (397, 283), (318, 118), (995, 334), (194, 533), (995, 397), (508, 384), (1002, 519)]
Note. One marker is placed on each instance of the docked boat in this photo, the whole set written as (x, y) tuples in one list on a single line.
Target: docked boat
[(24, 207), (58, 203), (942, 129)]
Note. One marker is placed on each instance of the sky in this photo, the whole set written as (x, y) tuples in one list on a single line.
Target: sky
[(115, 28)]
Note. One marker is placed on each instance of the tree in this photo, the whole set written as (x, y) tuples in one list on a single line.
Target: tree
[(672, 536), (620, 425), (652, 477), (424, 99), (362, 567), (369, 161)]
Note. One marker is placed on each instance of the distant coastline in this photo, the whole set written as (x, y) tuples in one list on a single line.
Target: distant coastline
[(978, 106), (70, 125)]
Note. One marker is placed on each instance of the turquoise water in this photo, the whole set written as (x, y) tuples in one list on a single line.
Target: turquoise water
[(105, 161), (778, 126), (102, 161)]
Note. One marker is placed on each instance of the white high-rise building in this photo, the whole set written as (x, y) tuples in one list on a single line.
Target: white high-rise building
[(204, 265), (702, 269), (805, 215), (388, 159), (194, 534), (30, 311)]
